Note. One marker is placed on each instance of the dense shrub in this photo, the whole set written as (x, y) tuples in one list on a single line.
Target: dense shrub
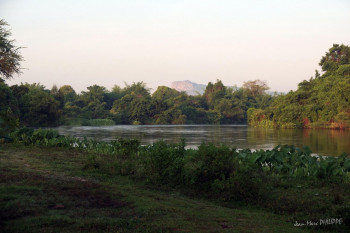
[(162, 162), (210, 163)]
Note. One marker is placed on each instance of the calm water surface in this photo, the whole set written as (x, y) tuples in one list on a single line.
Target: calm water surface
[(324, 142)]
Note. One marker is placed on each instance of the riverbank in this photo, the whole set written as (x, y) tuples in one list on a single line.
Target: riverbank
[(45, 186), (52, 190)]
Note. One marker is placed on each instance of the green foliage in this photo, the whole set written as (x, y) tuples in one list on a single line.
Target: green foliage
[(163, 163), (321, 102), (28, 136), (289, 125), (38, 107), (133, 104), (337, 55), (214, 92), (9, 112), (165, 94), (93, 102), (211, 168), (344, 70), (127, 147), (68, 93), (257, 118), (10, 56)]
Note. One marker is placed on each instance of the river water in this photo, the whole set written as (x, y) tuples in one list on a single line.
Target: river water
[(323, 142)]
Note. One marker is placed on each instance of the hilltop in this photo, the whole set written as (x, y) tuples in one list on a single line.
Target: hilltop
[(189, 87)]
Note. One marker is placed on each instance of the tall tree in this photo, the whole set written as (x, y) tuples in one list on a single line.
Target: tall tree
[(39, 107), (93, 100), (68, 93), (256, 87), (113, 95), (10, 56), (134, 106), (214, 92), (10, 59), (9, 112)]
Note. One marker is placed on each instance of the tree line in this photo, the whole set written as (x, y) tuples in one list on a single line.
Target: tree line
[(34, 105)]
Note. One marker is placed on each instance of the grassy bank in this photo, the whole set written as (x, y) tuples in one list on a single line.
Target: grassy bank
[(285, 185), (51, 190)]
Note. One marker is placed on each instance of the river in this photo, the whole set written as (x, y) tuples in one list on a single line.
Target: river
[(323, 142)]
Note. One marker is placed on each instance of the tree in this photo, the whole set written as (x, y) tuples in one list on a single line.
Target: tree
[(94, 105), (134, 106), (10, 56), (164, 93), (214, 92), (68, 93), (115, 94), (8, 110), (162, 100), (256, 87), (10, 59), (39, 107), (138, 89), (230, 113), (336, 56), (58, 96)]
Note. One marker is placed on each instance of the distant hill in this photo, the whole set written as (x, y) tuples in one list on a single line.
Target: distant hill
[(189, 87)]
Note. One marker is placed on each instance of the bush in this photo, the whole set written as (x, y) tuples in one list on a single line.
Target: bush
[(162, 162), (136, 123), (126, 147), (289, 125), (41, 137), (258, 118), (319, 124), (208, 164), (248, 184)]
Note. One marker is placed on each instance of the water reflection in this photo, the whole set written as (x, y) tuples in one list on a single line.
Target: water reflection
[(325, 142)]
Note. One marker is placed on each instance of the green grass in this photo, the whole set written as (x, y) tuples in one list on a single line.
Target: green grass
[(51, 190)]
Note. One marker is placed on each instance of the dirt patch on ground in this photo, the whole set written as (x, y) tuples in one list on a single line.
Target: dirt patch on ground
[(71, 192), (89, 194)]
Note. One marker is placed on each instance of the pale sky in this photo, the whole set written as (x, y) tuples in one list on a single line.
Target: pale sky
[(84, 42)]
